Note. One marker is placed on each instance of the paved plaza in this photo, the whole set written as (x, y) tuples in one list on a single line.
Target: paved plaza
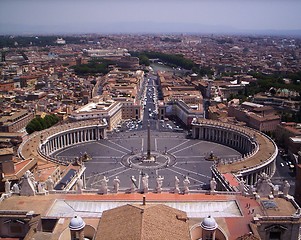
[(175, 155)]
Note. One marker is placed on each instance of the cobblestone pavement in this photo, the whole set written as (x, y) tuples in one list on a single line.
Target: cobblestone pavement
[(107, 155)]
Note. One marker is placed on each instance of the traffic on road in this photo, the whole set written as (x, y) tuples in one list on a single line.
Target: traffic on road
[(149, 102)]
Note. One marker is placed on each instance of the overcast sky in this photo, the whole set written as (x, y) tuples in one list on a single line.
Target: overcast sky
[(105, 16)]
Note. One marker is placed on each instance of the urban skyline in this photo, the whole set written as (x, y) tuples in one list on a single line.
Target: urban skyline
[(168, 16), (149, 136)]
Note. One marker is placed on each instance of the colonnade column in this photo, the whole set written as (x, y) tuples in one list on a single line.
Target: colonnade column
[(104, 133), (192, 132)]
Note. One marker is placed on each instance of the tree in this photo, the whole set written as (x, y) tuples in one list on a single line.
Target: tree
[(144, 60), (94, 66), (38, 123), (175, 60)]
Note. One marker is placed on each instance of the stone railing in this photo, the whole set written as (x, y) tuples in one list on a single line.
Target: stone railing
[(277, 218), (221, 180), (127, 190)]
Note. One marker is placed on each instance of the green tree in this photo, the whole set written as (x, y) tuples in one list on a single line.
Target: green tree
[(38, 123), (30, 128), (174, 60), (93, 67), (144, 60)]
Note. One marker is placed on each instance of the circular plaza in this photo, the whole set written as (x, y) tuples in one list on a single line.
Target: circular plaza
[(125, 155), (214, 149)]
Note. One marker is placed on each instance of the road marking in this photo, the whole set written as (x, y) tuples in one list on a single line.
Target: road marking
[(65, 156), (70, 147), (184, 175), (105, 172), (119, 145), (123, 171), (96, 157), (199, 174), (201, 156), (111, 148), (179, 145), (140, 178), (202, 162), (142, 143), (228, 156), (187, 147), (88, 163)]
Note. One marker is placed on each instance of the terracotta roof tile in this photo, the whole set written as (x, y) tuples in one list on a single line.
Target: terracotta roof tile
[(147, 222)]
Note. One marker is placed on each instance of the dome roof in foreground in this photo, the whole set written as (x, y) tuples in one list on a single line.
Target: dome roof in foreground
[(76, 223), (209, 223)]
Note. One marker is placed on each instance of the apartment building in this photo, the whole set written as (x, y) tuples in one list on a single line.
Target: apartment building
[(98, 109), (15, 121), (257, 116)]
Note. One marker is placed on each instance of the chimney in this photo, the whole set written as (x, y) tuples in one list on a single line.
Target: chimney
[(144, 201)]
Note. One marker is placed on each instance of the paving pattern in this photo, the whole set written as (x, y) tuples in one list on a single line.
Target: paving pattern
[(188, 156)]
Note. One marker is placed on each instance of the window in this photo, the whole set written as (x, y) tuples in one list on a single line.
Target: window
[(48, 224), (209, 236), (275, 236), (14, 228)]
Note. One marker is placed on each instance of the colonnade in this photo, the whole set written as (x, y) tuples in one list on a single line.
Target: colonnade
[(243, 141), (226, 136), (251, 177), (71, 137)]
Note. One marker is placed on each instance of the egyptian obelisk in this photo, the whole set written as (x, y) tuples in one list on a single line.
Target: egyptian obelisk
[(148, 142)]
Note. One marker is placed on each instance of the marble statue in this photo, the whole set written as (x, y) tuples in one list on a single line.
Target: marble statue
[(159, 184), (186, 184), (28, 184), (241, 186), (41, 187), (264, 186), (29, 175), (133, 184), (177, 181), (251, 190), (104, 185), (116, 183), (213, 184), (276, 191), (7, 186), (15, 188), (145, 183), (285, 187), (49, 184), (79, 185)]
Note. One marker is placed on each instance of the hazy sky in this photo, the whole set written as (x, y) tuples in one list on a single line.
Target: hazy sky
[(59, 16)]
